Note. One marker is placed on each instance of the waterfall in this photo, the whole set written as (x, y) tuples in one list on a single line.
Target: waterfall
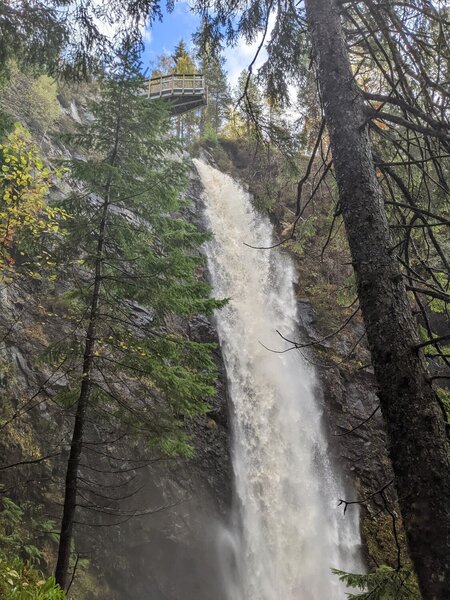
[(287, 532)]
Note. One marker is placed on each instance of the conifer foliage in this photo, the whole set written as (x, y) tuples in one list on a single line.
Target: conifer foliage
[(129, 360), (219, 96), (385, 583), (183, 61), (70, 38)]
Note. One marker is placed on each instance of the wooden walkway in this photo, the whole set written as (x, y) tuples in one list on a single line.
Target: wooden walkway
[(185, 92)]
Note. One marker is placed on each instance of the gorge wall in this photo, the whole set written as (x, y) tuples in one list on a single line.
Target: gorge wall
[(161, 543)]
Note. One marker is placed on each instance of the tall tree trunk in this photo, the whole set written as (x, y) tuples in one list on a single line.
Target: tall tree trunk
[(71, 484), (73, 464), (419, 447)]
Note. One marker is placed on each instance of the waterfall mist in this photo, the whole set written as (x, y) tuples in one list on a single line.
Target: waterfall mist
[(287, 532)]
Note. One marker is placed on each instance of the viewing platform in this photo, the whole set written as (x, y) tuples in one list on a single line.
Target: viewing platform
[(185, 92)]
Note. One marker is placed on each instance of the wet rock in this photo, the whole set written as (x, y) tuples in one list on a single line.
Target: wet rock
[(358, 441), (201, 329)]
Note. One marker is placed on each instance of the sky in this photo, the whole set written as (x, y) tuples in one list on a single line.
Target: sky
[(163, 36)]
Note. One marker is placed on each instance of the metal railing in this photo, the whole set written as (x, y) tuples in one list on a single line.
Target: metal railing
[(176, 85)]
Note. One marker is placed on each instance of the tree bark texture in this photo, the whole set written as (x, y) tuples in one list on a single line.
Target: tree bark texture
[(419, 446)]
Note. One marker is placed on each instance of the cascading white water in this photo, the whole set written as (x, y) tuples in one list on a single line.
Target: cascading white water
[(288, 532)]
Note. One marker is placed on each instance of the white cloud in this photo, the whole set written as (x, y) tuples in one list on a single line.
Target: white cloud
[(147, 36), (242, 54)]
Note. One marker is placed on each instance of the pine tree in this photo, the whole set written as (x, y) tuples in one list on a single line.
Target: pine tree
[(416, 423), (184, 62), (219, 97), (138, 255)]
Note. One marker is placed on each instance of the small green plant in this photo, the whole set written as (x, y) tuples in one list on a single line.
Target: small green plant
[(21, 528), (20, 577), (210, 134), (25, 215), (347, 291), (6, 124), (385, 583), (305, 233), (20, 581)]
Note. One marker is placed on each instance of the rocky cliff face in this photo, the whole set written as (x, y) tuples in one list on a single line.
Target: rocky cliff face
[(356, 433)]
